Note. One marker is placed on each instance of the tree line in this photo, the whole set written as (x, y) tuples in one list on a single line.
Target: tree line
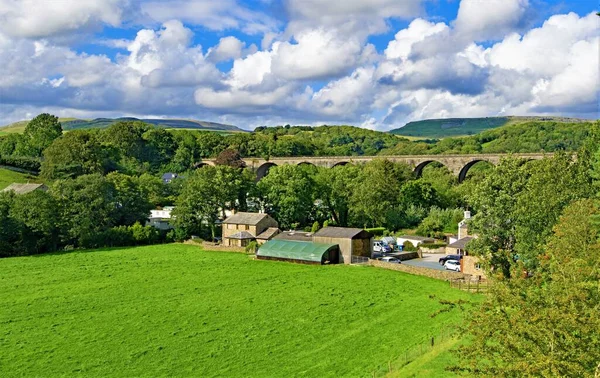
[(133, 147)]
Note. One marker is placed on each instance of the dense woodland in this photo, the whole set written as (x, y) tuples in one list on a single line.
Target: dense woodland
[(538, 221)]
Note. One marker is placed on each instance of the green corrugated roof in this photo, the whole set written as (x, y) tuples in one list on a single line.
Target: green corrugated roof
[(294, 250)]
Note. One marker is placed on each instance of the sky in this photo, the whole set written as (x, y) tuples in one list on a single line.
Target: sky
[(376, 64)]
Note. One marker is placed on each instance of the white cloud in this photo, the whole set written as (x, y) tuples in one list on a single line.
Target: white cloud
[(489, 19), (327, 12), (36, 19), (347, 97), (417, 31), (214, 15), (228, 48), (317, 54)]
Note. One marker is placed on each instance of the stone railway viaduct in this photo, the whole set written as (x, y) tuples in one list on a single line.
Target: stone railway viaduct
[(457, 164)]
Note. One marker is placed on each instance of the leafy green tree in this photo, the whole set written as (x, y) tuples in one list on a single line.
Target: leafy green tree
[(374, 202), (10, 229), (419, 193), (37, 228), (288, 193), (334, 186), (545, 325), (75, 153), (87, 207), (132, 199), (496, 202), (39, 133)]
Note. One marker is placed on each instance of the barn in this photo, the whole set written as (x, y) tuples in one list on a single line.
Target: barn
[(351, 241), (305, 252)]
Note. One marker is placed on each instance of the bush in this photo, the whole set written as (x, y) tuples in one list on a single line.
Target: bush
[(376, 230), (23, 162), (252, 247), (408, 246)]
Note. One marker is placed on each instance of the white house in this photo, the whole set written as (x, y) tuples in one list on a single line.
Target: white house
[(160, 218)]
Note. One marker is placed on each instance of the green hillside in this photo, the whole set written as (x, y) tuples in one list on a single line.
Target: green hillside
[(100, 123), (453, 127), (175, 310)]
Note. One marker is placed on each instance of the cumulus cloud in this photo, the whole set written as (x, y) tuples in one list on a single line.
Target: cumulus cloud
[(490, 19), (319, 69), (215, 15), (36, 19)]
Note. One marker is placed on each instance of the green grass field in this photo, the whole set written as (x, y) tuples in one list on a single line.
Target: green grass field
[(175, 310), (8, 177)]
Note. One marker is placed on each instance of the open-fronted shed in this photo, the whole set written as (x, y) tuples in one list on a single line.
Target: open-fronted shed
[(352, 241), (299, 251)]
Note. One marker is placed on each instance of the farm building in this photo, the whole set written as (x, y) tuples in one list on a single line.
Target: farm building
[(414, 240), (241, 228), (352, 241), (299, 251), (267, 235), (25, 188)]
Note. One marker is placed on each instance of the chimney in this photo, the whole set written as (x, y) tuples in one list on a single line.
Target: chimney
[(467, 215)]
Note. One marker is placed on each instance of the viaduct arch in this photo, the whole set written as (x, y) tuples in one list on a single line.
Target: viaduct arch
[(457, 164)]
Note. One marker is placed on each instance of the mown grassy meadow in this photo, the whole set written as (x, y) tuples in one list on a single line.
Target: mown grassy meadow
[(175, 310), (8, 177)]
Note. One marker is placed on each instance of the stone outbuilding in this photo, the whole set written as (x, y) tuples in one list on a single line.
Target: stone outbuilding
[(351, 241), (24, 188), (242, 228)]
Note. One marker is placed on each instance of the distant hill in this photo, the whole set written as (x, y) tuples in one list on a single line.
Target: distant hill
[(99, 123), (453, 127)]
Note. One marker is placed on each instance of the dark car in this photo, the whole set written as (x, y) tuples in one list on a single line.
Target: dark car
[(443, 260)]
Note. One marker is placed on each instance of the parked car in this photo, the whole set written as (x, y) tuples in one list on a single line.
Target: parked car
[(390, 259), (443, 260), (381, 247), (452, 265)]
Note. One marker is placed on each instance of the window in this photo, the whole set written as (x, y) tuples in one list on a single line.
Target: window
[(247, 227), (478, 266)]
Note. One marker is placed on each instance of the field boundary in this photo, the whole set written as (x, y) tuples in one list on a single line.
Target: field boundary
[(419, 271)]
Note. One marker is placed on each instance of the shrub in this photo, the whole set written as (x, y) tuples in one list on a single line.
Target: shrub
[(252, 247), (408, 246), (315, 227), (23, 162), (376, 230)]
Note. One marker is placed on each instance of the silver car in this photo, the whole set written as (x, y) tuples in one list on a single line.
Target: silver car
[(452, 265)]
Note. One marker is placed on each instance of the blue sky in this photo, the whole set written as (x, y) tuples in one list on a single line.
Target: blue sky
[(371, 63)]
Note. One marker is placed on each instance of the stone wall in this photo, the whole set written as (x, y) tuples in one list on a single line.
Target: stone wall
[(432, 273), (207, 246)]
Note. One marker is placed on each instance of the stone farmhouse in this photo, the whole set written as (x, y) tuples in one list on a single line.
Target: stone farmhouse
[(242, 228)]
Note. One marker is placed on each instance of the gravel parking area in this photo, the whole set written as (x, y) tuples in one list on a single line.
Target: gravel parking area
[(428, 261)]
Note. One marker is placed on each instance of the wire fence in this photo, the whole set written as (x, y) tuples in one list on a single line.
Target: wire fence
[(359, 260), (470, 286), (414, 352)]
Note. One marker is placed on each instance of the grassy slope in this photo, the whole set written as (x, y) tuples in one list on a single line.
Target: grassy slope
[(178, 311), (455, 127), (8, 177)]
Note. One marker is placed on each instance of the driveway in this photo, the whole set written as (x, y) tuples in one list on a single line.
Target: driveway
[(429, 260)]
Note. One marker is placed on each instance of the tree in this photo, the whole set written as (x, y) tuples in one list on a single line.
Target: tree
[(374, 202), (9, 228), (39, 133), (75, 153), (288, 193), (334, 186), (206, 194), (496, 201), (87, 207), (37, 229), (546, 325), (132, 199), (230, 158)]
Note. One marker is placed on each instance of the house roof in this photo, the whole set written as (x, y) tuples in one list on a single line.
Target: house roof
[(24, 188), (415, 237), (461, 243), (268, 233), (295, 235), (295, 250), (343, 233), (242, 235), (169, 176), (245, 218)]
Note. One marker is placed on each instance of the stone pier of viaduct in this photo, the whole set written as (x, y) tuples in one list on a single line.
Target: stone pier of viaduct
[(458, 164)]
